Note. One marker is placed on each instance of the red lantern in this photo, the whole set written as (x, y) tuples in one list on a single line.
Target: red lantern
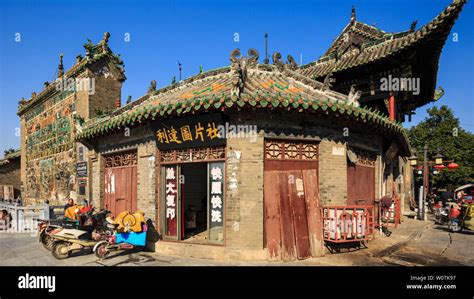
[(453, 166), (440, 167), (420, 167)]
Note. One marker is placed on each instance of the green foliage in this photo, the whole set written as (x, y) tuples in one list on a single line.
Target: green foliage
[(441, 131)]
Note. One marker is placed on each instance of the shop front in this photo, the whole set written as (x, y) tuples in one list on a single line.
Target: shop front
[(191, 166)]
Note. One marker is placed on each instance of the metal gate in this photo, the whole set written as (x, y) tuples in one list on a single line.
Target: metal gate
[(121, 182), (293, 227)]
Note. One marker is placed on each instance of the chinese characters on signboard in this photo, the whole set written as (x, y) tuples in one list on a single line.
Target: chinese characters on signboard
[(216, 201), (81, 169), (171, 194), (194, 131)]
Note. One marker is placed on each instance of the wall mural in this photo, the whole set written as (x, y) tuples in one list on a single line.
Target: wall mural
[(50, 148), (46, 171)]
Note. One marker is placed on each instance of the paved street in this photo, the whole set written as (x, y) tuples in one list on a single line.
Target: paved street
[(412, 243)]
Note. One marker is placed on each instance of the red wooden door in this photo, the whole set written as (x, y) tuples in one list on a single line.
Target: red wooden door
[(272, 215), (291, 197), (121, 184), (360, 185), (313, 212), (286, 224)]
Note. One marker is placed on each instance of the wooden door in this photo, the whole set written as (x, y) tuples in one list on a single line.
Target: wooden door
[(272, 215), (296, 197), (121, 183), (286, 224), (291, 195), (360, 185), (361, 178), (313, 212)]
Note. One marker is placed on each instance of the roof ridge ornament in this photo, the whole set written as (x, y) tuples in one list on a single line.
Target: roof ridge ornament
[(353, 14), (105, 38), (60, 66), (238, 69), (328, 81), (276, 57), (291, 63), (413, 25), (252, 57), (152, 87), (354, 96)]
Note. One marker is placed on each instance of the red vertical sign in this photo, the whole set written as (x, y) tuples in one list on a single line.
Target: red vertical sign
[(171, 195)]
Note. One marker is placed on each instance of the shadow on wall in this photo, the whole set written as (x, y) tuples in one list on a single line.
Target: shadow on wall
[(151, 236)]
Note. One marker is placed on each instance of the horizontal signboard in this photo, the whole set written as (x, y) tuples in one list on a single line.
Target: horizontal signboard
[(186, 132)]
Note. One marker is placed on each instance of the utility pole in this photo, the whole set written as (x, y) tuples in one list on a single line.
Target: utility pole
[(425, 181), (265, 61)]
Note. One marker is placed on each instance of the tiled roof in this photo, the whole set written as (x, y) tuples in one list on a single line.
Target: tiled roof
[(364, 33), (379, 44), (245, 84), (10, 156)]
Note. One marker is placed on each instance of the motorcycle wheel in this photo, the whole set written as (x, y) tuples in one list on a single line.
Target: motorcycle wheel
[(102, 251), (46, 241), (60, 250)]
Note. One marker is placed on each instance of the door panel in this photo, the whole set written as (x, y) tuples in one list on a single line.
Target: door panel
[(298, 209), (272, 214), (121, 182), (360, 185), (287, 231), (313, 212), (291, 198)]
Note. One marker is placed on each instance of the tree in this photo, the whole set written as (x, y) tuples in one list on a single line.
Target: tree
[(442, 132)]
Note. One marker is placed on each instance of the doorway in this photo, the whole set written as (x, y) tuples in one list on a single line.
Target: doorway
[(192, 198), (121, 182), (293, 227), (361, 177), (194, 202)]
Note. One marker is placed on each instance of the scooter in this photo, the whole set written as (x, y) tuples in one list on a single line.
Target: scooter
[(45, 227), (64, 240)]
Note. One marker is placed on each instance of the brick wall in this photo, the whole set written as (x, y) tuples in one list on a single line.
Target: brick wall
[(332, 172), (244, 177), (146, 179)]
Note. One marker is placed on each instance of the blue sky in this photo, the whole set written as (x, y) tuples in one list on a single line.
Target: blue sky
[(202, 33)]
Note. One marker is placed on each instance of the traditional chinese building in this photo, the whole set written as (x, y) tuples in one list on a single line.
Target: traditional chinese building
[(363, 56), (237, 162), (10, 175), (51, 119)]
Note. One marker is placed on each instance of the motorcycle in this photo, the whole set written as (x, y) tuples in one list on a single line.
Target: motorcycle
[(45, 227), (461, 217), (65, 240), (441, 213)]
